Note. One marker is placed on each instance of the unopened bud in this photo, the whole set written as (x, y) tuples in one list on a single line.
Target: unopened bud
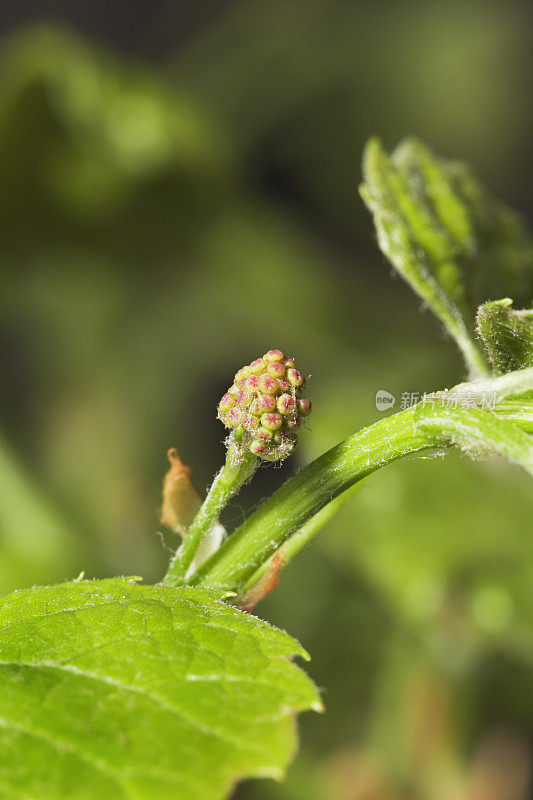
[(257, 367), (268, 384), (264, 406), (233, 418), (241, 374), (252, 382), (276, 369), (227, 402), (295, 377), (272, 421), (273, 355), (257, 447), (286, 403), (244, 398), (250, 422), (304, 406)]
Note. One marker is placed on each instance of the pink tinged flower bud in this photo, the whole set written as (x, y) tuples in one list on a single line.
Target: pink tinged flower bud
[(250, 422), (276, 369), (295, 377), (257, 367), (233, 417), (272, 421), (268, 384), (286, 404), (244, 398), (262, 404), (242, 373), (263, 435), (227, 402), (304, 406), (258, 448), (273, 355)]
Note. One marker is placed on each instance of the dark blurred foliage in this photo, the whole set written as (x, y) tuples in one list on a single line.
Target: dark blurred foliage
[(169, 173)]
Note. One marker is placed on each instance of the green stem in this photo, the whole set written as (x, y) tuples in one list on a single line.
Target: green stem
[(477, 432), (513, 383), (236, 471), (517, 412), (298, 540), (295, 505), (465, 426), (303, 496)]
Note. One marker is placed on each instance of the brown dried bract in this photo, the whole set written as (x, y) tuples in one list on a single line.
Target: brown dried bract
[(266, 583), (181, 499)]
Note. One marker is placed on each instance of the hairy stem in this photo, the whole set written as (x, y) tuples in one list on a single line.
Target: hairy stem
[(518, 412), (298, 540), (477, 433), (303, 496), (236, 471), (295, 510), (513, 383)]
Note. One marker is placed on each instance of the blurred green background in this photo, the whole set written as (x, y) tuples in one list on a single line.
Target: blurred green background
[(178, 195)]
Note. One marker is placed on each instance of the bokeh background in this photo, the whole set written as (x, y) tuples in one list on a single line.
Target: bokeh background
[(178, 195)]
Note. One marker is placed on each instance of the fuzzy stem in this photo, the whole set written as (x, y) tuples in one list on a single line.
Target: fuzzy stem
[(236, 471), (516, 382), (291, 508), (518, 412), (303, 496), (298, 540), (477, 433)]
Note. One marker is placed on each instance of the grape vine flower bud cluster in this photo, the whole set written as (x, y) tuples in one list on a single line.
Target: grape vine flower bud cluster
[(265, 407)]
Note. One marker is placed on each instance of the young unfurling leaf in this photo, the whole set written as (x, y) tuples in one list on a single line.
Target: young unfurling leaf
[(507, 335), (453, 243)]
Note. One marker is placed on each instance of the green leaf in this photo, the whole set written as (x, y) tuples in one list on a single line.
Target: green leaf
[(506, 334), (447, 237), (110, 689)]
